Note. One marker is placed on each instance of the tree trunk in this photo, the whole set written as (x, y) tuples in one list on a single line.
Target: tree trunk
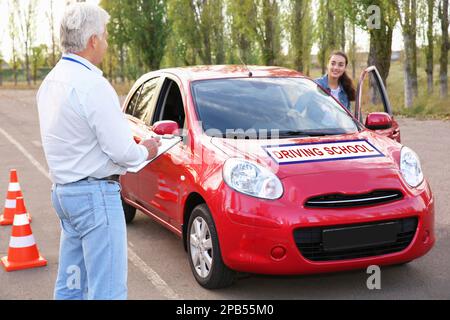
[(408, 16), (408, 69), (1, 71), (52, 31), (415, 83), (15, 73), (443, 81), (430, 47), (34, 72), (269, 17), (330, 38), (122, 64), (354, 52), (297, 35), (27, 63), (380, 56), (380, 50), (207, 53), (244, 49), (110, 62)]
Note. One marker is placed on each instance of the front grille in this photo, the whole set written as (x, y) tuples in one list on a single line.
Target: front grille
[(339, 200), (310, 242)]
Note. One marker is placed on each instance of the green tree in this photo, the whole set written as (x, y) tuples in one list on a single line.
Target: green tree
[(184, 41), (12, 28), (38, 55), (445, 46), (26, 19), (330, 29), (51, 22), (265, 24), (407, 16), (243, 42), (430, 45), (299, 26), (147, 25), (119, 34), (197, 33), (378, 18)]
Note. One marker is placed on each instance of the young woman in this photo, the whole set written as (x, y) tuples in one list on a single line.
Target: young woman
[(337, 81)]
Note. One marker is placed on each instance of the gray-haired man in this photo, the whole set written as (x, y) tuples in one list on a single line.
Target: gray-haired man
[(87, 144)]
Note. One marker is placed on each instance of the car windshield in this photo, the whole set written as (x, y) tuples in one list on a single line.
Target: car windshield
[(286, 107)]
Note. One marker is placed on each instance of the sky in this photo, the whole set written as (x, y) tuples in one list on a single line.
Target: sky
[(43, 33), (43, 28)]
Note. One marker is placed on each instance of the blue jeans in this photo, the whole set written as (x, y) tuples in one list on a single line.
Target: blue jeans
[(93, 245)]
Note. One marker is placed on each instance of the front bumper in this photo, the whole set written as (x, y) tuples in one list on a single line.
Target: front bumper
[(254, 233)]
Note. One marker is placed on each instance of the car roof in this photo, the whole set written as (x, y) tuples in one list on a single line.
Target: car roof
[(229, 71)]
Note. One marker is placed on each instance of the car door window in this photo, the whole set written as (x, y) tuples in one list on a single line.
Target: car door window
[(133, 101), (144, 107), (371, 95), (170, 104)]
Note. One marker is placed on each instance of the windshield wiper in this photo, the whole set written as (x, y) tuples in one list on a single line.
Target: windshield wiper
[(299, 133)]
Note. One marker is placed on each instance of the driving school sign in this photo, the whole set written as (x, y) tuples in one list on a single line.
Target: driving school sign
[(328, 151)]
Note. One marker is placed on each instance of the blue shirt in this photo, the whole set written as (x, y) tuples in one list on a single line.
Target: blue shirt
[(84, 132), (343, 97)]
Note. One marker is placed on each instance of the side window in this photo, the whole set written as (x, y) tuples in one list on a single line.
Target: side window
[(144, 108), (170, 104), (373, 96), (133, 101)]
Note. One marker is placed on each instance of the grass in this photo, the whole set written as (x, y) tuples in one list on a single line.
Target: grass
[(425, 106), (20, 86)]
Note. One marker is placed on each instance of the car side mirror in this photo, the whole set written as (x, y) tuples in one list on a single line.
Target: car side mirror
[(378, 121), (165, 127)]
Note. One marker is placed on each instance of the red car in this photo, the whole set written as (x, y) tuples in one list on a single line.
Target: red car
[(274, 176)]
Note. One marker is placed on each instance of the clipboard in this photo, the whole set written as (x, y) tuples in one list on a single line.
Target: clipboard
[(167, 142)]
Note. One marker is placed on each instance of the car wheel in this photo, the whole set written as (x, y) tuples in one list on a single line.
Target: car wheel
[(204, 253), (130, 211)]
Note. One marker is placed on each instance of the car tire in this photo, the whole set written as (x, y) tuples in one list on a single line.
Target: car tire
[(129, 211), (217, 275)]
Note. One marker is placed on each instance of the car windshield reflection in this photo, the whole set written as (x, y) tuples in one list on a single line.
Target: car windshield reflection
[(285, 107)]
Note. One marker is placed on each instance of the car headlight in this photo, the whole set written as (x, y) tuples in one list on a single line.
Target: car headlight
[(410, 167), (252, 179)]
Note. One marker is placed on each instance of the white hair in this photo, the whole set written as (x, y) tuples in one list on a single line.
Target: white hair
[(79, 23)]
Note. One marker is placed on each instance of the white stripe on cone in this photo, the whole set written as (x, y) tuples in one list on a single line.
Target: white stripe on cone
[(22, 242), (21, 219), (10, 203), (14, 186)]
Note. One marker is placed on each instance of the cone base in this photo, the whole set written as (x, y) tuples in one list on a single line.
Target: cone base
[(5, 221), (13, 266)]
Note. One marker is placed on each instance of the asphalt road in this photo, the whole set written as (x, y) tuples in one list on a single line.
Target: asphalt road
[(158, 266)]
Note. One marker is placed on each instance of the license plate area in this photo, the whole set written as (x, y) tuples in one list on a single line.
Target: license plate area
[(355, 237)]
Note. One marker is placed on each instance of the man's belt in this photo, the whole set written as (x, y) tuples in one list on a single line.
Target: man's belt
[(114, 177)]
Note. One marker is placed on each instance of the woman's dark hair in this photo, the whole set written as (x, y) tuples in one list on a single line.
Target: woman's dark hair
[(345, 80)]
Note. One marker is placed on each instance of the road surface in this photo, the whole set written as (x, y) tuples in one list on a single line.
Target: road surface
[(158, 265)]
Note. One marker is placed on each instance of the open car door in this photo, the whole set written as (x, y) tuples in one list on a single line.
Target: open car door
[(372, 107)]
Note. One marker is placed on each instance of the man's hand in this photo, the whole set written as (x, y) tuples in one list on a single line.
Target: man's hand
[(152, 145)]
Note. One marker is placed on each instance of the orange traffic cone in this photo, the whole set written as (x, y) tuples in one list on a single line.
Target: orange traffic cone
[(23, 252), (14, 191)]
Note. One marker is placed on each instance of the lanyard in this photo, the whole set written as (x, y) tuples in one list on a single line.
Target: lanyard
[(76, 61)]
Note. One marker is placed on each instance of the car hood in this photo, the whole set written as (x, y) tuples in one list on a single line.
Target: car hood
[(257, 150)]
